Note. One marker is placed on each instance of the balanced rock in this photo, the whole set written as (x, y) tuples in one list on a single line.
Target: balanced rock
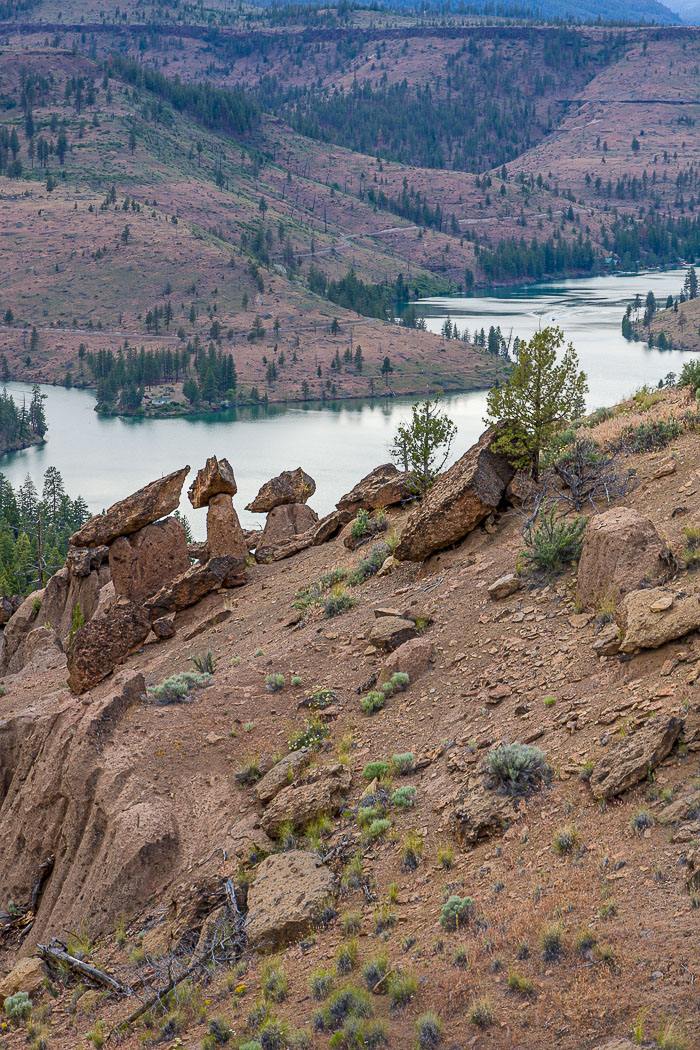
[(291, 486), (302, 803), (225, 536), (382, 487), (621, 550), (129, 515), (389, 632), (653, 616), (104, 642), (214, 479), (632, 758), (285, 523), (460, 498), (286, 897), (193, 585), (145, 560)]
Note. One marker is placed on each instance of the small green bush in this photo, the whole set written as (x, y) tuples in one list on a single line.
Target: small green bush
[(552, 545), (551, 942), (402, 988), (273, 981), (204, 662), (377, 769), (378, 828), (312, 734), (565, 841), (372, 702), (656, 434), (274, 682), (352, 922), (18, 1007), (178, 688), (338, 602), (375, 970), (428, 1031), (404, 763), (404, 797), (370, 565), (481, 1013), (518, 769), (455, 912), (641, 820), (346, 1002), (518, 983), (346, 957), (320, 984)]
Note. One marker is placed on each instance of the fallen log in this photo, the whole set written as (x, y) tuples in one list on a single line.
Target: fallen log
[(55, 954)]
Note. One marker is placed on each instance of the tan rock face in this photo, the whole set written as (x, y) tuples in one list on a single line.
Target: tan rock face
[(214, 479), (104, 642), (291, 486), (481, 814), (225, 536), (285, 523), (301, 803), (632, 758), (390, 632), (651, 617), (129, 515), (140, 564), (621, 550), (382, 487), (27, 976), (414, 658), (192, 585), (281, 775), (461, 498), (284, 900)]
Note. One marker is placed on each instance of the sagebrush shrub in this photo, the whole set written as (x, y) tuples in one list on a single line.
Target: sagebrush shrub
[(518, 769)]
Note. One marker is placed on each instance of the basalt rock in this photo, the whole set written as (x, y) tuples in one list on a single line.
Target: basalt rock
[(632, 758), (413, 658), (225, 536), (651, 617), (291, 486), (286, 897), (143, 562), (193, 585), (81, 561), (104, 642), (382, 487), (467, 493), (621, 550), (285, 523), (390, 632), (214, 479), (150, 503), (302, 803)]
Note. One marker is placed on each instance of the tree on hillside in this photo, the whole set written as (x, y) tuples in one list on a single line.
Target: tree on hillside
[(691, 283), (422, 446), (539, 397)]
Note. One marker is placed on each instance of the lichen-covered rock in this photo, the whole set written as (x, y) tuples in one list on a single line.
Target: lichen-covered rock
[(621, 550), (129, 515), (214, 479), (382, 487), (302, 803), (225, 536), (462, 497), (104, 642), (285, 899), (194, 584), (291, 486), (630, 759), (651, 617), (141, 563)]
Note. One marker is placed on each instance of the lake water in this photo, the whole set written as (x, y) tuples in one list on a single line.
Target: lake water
[(105, 459)]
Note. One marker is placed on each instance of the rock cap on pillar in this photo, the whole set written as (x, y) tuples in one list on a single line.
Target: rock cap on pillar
[(214, 479), (148, 504), (291, 486)]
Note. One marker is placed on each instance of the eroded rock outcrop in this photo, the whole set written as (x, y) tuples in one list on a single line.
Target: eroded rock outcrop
[(382, 487), (141, 563), (214, 479), (291, 486), (651, 617), (632, 758), (193, 585), (462, 497), (104, 642), (286, 897), (621, 551), (148, 504), (225, 537)]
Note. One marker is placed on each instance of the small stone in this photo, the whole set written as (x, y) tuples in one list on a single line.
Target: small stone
[(504, 587)]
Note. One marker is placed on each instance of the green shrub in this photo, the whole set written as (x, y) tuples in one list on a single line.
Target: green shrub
[(249, 772), (346, 1002), (370, 565), (455, 912), (428, 1030), (481, 1013), (372, 702), (402, 988), (18, 1007), (690, 375), (346, 957), (384, 919), (404, 763), (320, 983), (375, 970), (77, 621), (220, 1030), (359, 1035), (274, 1035), (551, 942), (312, 734), (656, 434), (274, 682), (366, 814), (352, 922), (404, 797), (338, 602), (565, 841), (518, 769), (360, 525), (377, 769), (179, 687), (378, 828), (273, 981), (518, 983), (204, 662), (641, 820), (552, 545), (445, 856), (411, 851)]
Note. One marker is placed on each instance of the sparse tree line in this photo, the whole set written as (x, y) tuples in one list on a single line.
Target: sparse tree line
[(23, 425)]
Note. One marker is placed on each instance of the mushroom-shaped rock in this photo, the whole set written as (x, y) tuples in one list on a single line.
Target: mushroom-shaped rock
[(291, 486), (214, 479), (382, 487), (463, 496), (129, 515)]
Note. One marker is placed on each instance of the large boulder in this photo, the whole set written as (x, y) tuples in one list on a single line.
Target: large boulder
[(193, 585), (129, 515), (225, 536), (28, 975), (286, 897), (413, 658), (104, 642), (621, 551), (72, 586), (390, 632), (214, 479), (460, 498), (145, 560), (630, 759), (300, 804), (285, 523), (382, 487), (291, 486), (651, 617)]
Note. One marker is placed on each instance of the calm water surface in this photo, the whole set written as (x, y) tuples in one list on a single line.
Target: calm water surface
[(104, 459)]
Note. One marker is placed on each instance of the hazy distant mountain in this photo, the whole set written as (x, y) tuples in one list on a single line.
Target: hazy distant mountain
[(689, 10), (624, 10)]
